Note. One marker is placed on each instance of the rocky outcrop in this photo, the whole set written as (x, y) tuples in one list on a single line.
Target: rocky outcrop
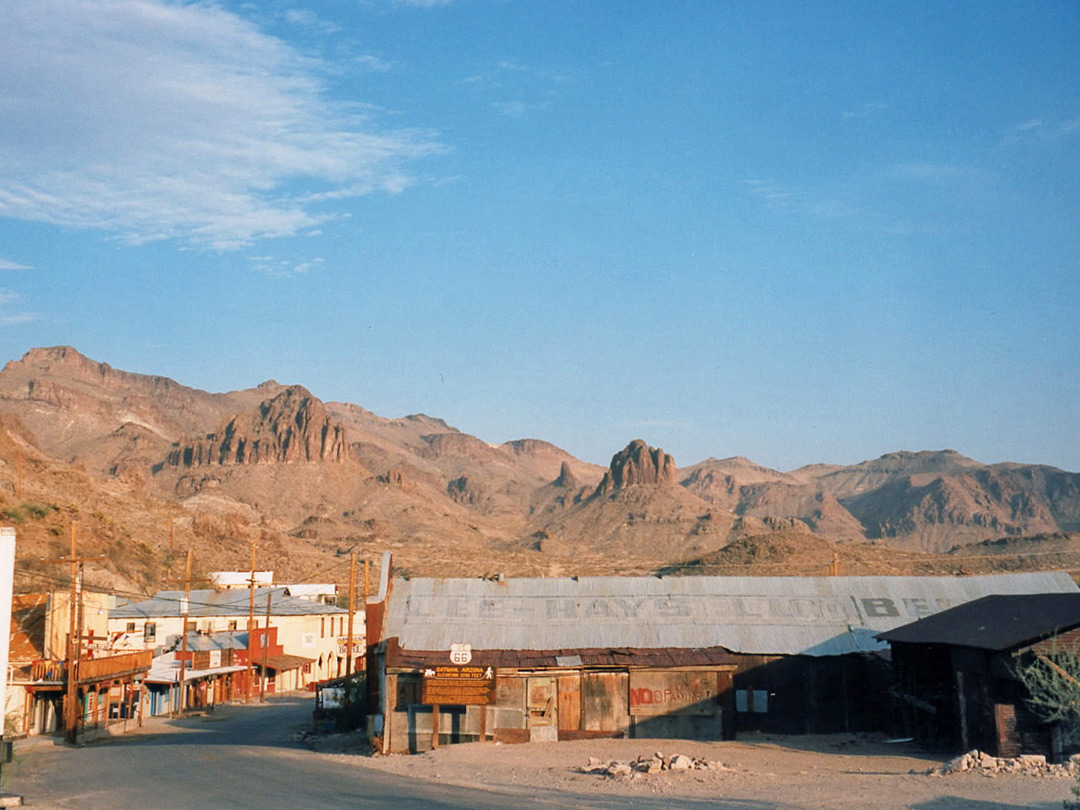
[(566, 479), (457, 445), (292, 427), (636, 464)]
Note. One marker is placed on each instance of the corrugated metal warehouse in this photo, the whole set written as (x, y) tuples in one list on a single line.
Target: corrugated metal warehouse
[(534, 659)]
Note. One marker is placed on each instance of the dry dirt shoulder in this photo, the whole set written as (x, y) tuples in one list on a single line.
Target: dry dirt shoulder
[(762, 771)]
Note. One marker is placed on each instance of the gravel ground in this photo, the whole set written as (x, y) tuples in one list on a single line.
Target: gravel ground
[(763, 772)]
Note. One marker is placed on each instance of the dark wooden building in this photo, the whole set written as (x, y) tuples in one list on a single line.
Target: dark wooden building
[(956, 672), (685, 657)]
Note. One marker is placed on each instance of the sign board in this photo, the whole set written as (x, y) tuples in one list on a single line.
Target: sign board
[(460, 654), (693, 693), (343, 645), (458, 686), (215, 659)]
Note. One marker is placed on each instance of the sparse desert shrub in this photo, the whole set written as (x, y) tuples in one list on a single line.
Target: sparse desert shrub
[(14, 514), (38, 510)]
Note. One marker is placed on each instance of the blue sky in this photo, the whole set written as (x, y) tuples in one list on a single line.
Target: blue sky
[(797, 232)]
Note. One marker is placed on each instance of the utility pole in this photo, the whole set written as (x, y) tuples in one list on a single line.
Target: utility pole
[(74, 647), (834, 569), (352, 601), (251, 624), (184, 612), (184, 608), (266, 648)]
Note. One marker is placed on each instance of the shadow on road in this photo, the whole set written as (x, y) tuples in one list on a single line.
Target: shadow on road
[(278, 723), (960, 803)]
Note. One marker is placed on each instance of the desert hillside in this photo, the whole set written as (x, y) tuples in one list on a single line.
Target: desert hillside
[(147, 468)]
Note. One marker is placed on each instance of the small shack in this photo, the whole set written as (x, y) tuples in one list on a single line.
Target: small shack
[(688, 657), (956, 672)]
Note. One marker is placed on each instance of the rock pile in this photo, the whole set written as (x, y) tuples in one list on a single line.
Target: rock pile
[(1025, 765), (651, 764)]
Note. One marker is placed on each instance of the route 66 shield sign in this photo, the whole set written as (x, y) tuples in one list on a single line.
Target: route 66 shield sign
[(460, 653)]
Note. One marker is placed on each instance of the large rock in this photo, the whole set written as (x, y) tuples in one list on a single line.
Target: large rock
[(638, 464)]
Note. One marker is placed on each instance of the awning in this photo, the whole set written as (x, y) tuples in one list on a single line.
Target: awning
[(171, 676), (283, 662)]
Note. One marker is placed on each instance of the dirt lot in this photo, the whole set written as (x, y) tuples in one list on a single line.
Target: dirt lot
[(766, 773)]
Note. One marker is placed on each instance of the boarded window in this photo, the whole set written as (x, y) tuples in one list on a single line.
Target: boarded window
[(752, 700), (408, 691), (760, 704)]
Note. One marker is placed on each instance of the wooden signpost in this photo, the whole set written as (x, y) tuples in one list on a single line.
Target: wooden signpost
[(457, 686)]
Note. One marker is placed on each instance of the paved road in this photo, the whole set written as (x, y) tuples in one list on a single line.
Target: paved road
[(248, 758)]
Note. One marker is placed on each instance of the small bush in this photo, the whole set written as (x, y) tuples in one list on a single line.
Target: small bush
[(14, 514), (38, 510)]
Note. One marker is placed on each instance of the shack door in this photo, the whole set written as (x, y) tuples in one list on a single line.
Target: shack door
[(569, 702), (605, 701), (542, 710)]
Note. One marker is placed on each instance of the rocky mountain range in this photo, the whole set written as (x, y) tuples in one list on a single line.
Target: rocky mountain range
[(309, 480)]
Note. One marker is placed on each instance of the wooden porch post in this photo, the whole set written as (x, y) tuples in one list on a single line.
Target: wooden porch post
[(962, 700)]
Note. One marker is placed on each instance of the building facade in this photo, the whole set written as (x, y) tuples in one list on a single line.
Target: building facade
[(305, 628), (649, 656)]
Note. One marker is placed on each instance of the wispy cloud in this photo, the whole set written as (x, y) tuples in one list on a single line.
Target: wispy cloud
[(158, 120), (535, 88), (423, 3), (5, 264), (796, 199), (373, 63), (865, 111), (285, 267), (7, 318), (1043, 129), (518, 109), (306, 18), (941, 174)]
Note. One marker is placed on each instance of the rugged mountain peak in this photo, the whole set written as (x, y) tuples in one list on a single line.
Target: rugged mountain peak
[(566, 479), (637, 463), (290, 427)]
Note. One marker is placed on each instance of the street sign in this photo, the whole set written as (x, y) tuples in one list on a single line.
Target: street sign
[(460, 654), (458, 686)]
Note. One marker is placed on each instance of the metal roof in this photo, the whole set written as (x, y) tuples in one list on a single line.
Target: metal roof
[(166, 669), (227, 640), (204, 603), (995, 622), (757, 615)]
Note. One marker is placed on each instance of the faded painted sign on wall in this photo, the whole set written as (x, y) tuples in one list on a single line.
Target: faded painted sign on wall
[(673, 693)]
